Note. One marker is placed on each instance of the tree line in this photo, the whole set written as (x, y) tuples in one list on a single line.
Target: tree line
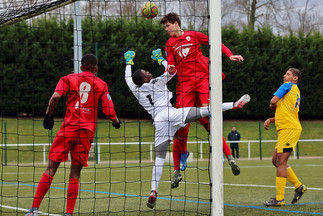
[(35, 55)]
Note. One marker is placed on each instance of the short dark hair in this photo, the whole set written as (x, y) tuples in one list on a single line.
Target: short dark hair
[(172, 18), (89, 61), (296, 72), (138, 77)]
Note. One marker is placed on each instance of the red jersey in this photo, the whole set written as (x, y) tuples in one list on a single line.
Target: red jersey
[(84, 91), (185, 53)]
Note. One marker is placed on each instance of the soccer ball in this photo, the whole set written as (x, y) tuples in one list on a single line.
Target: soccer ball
[(149, 10)]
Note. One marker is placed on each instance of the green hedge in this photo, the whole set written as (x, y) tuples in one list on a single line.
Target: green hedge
[(35, 55)]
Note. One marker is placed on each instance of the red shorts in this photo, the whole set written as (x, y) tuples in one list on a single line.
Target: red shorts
[(192, 93), (77, 142)]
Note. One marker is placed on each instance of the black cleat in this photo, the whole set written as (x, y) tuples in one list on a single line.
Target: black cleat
[(298, 193), (234, 167), (274, 202), (176, 179)]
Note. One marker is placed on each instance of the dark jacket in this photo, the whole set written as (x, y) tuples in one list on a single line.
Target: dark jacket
[(234, 136)]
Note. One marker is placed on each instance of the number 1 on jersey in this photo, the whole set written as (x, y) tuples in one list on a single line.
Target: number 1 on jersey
[(150, 99)]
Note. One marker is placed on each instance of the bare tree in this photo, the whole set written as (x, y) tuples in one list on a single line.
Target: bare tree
[(281, 15), (195, 14)]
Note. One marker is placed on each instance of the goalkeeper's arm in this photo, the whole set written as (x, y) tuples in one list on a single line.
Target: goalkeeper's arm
[(157, 56), (129, 56)]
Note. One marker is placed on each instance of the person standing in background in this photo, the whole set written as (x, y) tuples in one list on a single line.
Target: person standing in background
[(234, 135)]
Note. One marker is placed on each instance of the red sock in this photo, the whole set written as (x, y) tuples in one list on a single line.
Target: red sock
[(180, 145), (183, 138), (72, 192), (176, 153), (42, 188), (226, 149)]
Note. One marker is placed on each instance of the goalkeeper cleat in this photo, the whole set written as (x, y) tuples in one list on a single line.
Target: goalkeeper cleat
[(68, 214), (152, 199), (176, 179), (157, 56), (241, 102), (234, 167), (32, 212), (274, 202), (129, 55), (184, 160), (298, 193)]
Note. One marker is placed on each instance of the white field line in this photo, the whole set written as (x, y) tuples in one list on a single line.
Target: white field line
[(266, 186), (134, 169), (26, 210), (187, 182)]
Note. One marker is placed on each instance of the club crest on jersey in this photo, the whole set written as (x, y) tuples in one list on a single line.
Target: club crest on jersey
[(188, 38), (183, 53)]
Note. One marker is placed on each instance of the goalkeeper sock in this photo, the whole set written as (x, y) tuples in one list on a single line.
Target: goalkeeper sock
[(42, 188), (227, 106), (280, 187), (292, 178), (72, 192), (204, 111), (157, 173)]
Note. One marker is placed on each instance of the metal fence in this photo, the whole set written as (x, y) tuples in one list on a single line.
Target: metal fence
[(97, 147)]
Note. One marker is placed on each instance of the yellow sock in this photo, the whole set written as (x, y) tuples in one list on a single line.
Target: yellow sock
[(292, 178), (280, 187)]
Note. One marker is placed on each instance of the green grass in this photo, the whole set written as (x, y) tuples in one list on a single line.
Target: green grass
[(122, 189), (120, 185), (30, 131)]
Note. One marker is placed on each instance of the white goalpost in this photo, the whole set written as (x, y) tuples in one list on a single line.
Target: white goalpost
[(63, 30), (217, 204)]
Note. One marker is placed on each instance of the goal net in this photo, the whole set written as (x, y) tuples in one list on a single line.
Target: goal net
[(37, 38)]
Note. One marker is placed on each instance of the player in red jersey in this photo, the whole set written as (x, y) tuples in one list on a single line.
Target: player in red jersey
[(184, 53), (76, 134)]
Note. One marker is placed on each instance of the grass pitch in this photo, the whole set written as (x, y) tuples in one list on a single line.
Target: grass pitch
[(122, 189)]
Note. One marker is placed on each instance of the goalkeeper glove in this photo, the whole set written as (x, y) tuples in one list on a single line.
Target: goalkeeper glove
[(129, 55), (48, 122), (116, 125), (157, 56)]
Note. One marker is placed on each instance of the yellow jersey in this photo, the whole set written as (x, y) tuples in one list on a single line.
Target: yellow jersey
[(286, 115)]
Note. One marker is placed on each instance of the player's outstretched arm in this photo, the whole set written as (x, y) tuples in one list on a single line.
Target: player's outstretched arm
[(236, 58), (157, 56), (129, 56)]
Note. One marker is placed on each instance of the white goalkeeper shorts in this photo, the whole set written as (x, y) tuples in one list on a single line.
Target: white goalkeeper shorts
[(167, 122)]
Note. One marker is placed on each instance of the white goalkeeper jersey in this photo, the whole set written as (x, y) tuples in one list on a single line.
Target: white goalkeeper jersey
[(153, 96)]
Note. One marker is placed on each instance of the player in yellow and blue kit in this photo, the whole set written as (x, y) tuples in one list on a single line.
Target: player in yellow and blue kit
[(285, 102)]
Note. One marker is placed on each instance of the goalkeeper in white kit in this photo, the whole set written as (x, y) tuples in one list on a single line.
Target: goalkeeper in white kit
[(154, 96)]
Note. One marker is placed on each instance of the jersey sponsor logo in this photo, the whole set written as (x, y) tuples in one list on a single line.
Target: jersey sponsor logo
[(155, 80)]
